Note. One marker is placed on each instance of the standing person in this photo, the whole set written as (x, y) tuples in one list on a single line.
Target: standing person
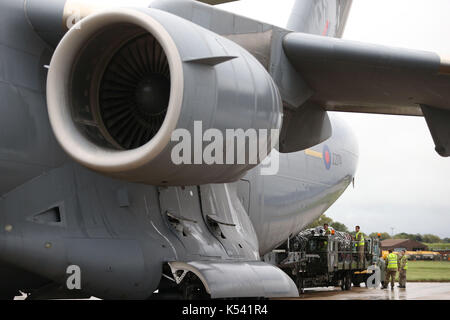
[(327, 230), (391, 269), (402, 267), (359, 237), (382, 266)]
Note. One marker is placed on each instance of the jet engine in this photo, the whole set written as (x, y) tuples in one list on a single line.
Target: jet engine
[(122, 81)]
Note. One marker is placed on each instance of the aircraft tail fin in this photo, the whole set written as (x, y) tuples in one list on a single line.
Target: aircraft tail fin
[(324, 17)]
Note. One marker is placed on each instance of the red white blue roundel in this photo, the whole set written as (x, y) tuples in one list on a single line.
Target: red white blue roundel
[(327, 157)]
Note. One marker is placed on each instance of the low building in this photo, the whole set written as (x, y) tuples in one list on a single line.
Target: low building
[(409, 245)]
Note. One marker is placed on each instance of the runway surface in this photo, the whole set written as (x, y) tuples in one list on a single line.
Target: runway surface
[(413, 291)]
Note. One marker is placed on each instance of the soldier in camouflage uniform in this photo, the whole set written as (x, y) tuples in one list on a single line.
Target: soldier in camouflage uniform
[(359, 237), (382, 265), (326, 229), (391, 269), (402, 267)]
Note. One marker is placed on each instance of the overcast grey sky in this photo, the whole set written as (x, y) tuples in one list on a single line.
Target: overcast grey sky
[(401, 182)]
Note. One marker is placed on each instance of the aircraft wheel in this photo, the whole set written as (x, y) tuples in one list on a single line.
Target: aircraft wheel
[(192, 292), (193, 289)]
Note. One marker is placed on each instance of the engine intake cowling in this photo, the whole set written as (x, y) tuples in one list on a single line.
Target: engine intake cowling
[(121, 81)]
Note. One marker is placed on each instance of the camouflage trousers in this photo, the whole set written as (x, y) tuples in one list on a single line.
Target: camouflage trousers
[(361, 257), (402, 278), (390, 275)]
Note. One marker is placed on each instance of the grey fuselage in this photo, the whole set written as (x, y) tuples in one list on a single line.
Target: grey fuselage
[(54, 212)]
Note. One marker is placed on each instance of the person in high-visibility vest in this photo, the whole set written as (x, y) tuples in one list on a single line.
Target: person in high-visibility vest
[(402, 267), (327, 229), (382, 265), (391, 268), (359, 237)]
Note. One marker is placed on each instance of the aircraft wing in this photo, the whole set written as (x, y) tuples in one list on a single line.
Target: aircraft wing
[(358, 77)]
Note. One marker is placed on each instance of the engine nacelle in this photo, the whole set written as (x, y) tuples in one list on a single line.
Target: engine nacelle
[(121, 81)]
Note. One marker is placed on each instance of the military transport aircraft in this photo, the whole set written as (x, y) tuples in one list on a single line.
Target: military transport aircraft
[(92, 92)]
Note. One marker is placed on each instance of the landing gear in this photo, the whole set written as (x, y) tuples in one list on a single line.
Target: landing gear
[(194, 291), (191, 288)]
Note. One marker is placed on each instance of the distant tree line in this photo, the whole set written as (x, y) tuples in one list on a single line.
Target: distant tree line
[(427, 238)]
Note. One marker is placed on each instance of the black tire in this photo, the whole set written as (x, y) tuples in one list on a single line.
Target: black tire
[(194, 292), (343, 280), (348, 282), (356, 281), (192, 288), (300, 285)]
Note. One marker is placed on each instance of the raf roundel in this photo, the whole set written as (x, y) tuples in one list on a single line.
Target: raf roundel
[(326, 157)]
